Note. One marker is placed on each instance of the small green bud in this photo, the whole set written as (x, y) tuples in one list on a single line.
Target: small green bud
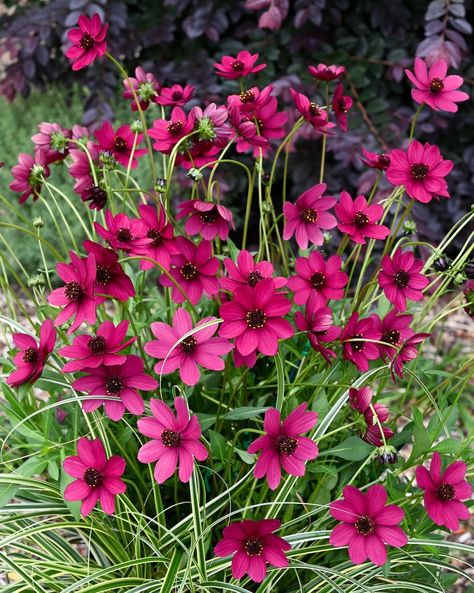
[(267, 207), (39, 222), (160, 185), (327, 237), (36, 280), (194, 174), (137, 127), (459, 279), (409, 227)]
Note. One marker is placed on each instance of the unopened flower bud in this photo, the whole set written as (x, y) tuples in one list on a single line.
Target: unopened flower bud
[(194, 174), (387, 455), (266, 178), (39, 222), (108, 159), (160, 185), (442, 263), (459, 279), (137, 127), (409, 227), (327, 237), (36, 280), (469, 270), (267, 207)]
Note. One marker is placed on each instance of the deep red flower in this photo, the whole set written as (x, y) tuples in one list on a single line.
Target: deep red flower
[(407, 351), (400, 278), (175, 96), (318, 324), (360, 399), (242, 65), (375, 160), (394, 329), (340, 105), (110, 278), (269, 124), (28, 175), (245, 272), (168, 133), (353, 337), (323, 72), (53, 140), (375, 416), (359, 220), (123, 144), (311, 112), (246, 131), (80, 169), (88, 41), (122, 232), (207, 219), (146, 89), (162, 243), (250, 101)]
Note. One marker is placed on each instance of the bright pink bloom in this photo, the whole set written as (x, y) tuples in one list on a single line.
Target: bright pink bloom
[(110, 278), (120, 143), (211, 123), (88, 41), (317, 281), (340, 105), (318, 324), (394, 329), (359, 220), (194, 269), (375, 160), (187, 352), (175, 439), (53, 140), (434, 88), (308, 215), (105, 384), (270, 124), (97, 478), (253, 544), (374, 415), (246, 131), (101, 349), (368, 523), (323, 72), (80, 169), (160, 232), (168, 133), (245, 272), (311, 112), (255, 318), (207, 219), (29, 174), (444, 492), (406, 352), (421, 169), (175, 96), (146, 89), (283, 446), (122, 232), (360, 399), (400, 278), (242, 65), (355, 349), (78, 293), (249, 102), (31, 358)]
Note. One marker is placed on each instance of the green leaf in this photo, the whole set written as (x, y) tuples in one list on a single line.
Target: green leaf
[(218, 445), (32, 466), (74, 507), (448, 446), (245, 412), (352, 449), (246, 457), (53, 470), (7, 492), (422, 442)]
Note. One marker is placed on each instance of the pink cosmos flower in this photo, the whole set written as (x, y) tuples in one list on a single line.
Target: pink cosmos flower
[(146, 89), (161, 234), (394, 329), (340, 105), (245, 272), (355, 349), (421, 170), (168, 133), (444, 492), (211, 123), (88, 41), (28, 175), (318, 324), (283, 446), (250, 101), (31, 358), (367, 524), (175, 440), (80, 169), (375, 415), (253, 544), (308, 215), (255, 318), (400, 278), (110, 278), (270, 124), (434, 88), (246, 131), (97, 478), (53, 140), (407, 351), (187, 352), (116, 381), (194, 269), (120, 143), (359, 220), (122, 232), (323, 72), (311, 112), (207, 219), (89, 352), (78, 293), (175, 96), (242, 65), (317, 281), (375, 160), (360, 399)]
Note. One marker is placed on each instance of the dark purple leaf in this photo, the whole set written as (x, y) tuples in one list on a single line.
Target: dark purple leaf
[(461, 25), (257, 4), (433, 27), (270, 19), (72, 18), (436, 9), (458, 10), (77, 4), (457, 39), (29, 68)]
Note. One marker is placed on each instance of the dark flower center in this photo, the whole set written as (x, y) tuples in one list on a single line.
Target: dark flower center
[(120, 144), (402, 278), (391, 337), (124, 235), (357, 346), (170, 438), (209, 217), (446, 492), (419, 171), (189, 271), (237, 65), (87, 41), (254, 278), (361, 219), (314, 109), (341, 106), (73, 291), (365, 525), (436, 85), (177, 95), (96, 195), (247, 96), (256, 319), (113, 385), (92, 477), (188, 344), (30, 355), (286, 445), (383, 161), (175, 127), (103, 275), (253, 546), (156, 236), (96, 344), (318, 280), (310, 215)]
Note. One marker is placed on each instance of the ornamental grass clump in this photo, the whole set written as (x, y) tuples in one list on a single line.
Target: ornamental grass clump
[(204, 398)]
